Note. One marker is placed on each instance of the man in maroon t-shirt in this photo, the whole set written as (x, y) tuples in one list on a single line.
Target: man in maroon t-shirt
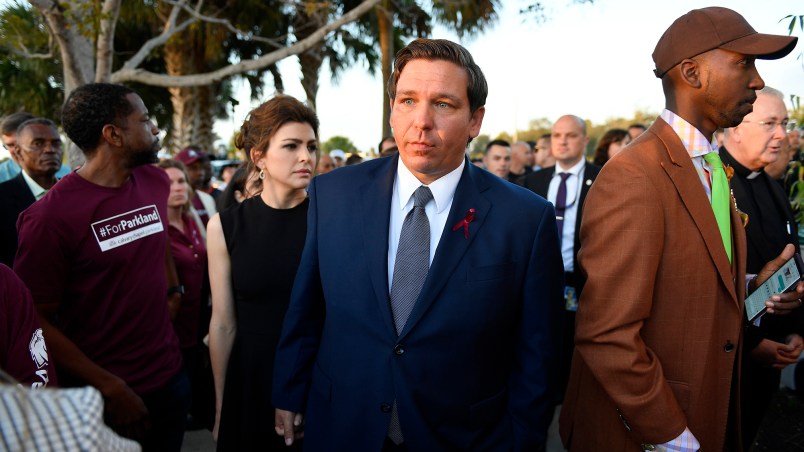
[(93, 252), (23, 353)]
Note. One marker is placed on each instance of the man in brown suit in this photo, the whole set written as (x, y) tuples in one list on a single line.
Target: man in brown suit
[(659, 322)]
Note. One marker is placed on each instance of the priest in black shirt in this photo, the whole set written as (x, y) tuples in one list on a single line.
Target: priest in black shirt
[(776, 341)]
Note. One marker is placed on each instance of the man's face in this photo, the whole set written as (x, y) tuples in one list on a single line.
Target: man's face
[(325, 164), (757, 141), (498, 160), (719, 137), (207, 171), (522, 154), (39, 150), (544, 156), (387, 143), (568, 141), (778, 168), (634, 132), (196, 171), (729, 81), (431, 118), (9, 142), (795, 139), (140, 134)]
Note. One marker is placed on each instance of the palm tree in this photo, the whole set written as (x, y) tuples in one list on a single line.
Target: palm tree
[(340, 49), (84, 35)]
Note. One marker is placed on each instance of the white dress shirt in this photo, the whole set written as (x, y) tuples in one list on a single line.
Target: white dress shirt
[(574, 183), (437, 210)]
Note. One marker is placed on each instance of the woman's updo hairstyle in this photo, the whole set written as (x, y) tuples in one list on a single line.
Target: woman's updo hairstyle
[(263, 122)]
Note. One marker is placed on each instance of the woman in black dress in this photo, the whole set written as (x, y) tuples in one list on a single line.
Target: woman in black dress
[(254, 250)]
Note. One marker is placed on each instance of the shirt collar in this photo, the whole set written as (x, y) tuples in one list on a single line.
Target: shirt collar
[(36, 189), (443, 188), (739, 169), (694, 141), (574, 169)]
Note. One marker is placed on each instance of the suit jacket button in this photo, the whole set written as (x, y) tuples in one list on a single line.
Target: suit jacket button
[(648, 447), (729, 347), (399, 349), (385, 408)]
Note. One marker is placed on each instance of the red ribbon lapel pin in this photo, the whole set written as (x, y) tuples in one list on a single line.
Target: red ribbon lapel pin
[(470, 217)]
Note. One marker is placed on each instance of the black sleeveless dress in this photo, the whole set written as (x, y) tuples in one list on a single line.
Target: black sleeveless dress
[(265, 246)]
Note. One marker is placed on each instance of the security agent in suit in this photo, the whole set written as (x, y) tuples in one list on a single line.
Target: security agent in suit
[(569, 142), (38, 149), (776, 342), (660, 321), (472, 367)]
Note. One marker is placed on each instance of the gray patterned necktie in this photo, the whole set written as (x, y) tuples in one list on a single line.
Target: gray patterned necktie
[(412, 259), (410, 270)]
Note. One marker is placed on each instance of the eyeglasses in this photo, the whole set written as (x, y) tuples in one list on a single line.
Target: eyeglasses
[(770, 126)]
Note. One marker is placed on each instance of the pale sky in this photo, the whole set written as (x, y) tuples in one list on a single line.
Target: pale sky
[(590, 60)]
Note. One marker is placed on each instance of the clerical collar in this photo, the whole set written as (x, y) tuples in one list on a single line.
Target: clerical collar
[(741, 170)]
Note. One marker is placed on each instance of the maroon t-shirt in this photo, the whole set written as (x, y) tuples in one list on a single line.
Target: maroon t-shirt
[(23, 353), (99, 253), (190, 256)]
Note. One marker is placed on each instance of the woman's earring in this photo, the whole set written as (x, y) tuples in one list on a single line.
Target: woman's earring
[(262, 174)]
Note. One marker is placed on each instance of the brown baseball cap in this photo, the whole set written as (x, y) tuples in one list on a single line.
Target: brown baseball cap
[(702, 30)]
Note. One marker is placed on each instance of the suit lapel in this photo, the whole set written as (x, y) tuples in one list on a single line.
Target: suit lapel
[(544, 182), (453, 245), (589, 174), (683, 175), (376, 202), (22, 193), (740, 250)]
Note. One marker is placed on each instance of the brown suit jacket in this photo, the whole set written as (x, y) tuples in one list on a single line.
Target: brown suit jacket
[(660, 317)]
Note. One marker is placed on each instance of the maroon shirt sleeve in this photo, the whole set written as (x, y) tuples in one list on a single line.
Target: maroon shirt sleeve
[(23, 353)]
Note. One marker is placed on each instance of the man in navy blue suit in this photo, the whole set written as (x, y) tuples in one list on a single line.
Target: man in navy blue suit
[(470, 366)]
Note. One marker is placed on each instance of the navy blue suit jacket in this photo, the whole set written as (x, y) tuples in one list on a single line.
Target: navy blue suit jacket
[(473, 367)]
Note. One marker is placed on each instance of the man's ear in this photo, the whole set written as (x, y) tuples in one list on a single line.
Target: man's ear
[(690, 72), (476, 121), (112, 135), (736, 134)]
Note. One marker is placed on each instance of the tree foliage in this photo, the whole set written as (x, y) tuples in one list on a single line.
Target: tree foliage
[(83, 35), (339, 142), (31, 84)]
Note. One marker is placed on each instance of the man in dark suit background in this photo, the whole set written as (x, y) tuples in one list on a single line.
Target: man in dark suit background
[(568, 142), (776, 341), (38, 149), (470, 368)]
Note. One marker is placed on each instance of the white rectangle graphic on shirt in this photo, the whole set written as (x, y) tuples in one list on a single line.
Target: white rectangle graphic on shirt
[(127, 227)]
